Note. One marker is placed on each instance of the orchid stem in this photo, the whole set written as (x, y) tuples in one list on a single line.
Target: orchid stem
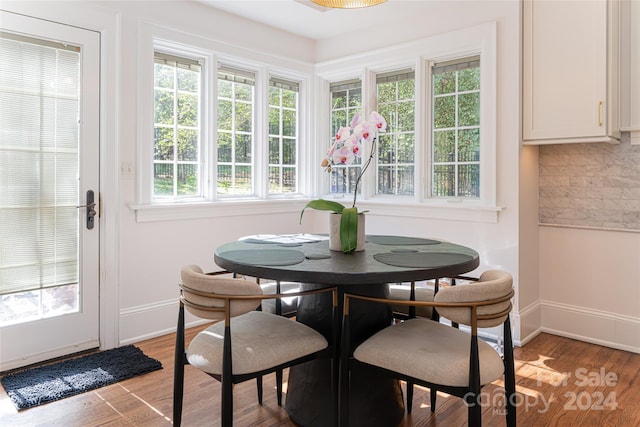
[(364, 168)]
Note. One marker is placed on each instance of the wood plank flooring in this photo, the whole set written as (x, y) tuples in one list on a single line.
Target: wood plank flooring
[(560, 382)]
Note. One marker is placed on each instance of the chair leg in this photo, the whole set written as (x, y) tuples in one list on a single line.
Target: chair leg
[(409, 397), (435, 316), (509, 375), (334, 391), (227, 403), (433, 393), (475, 412), (343, 395), (343, 376), (227, 381), (473, 397), (259, 388), (279, 386), (178, 372)]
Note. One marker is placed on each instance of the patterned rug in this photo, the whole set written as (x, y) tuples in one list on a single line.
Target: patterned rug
[(48, 383)]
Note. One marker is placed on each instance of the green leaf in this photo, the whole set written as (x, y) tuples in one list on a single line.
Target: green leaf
[(349, 230), (323, 205)]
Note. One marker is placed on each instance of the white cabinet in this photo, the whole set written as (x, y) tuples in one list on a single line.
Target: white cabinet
[(570, 77), (630, 69)]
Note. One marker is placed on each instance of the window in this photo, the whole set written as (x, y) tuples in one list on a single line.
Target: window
[(251, 135), (456, 129), (225, 128), (283, 136), (396, 148), (176, 142), (437, 158), (346, 102), (235, 131), (39, 162)]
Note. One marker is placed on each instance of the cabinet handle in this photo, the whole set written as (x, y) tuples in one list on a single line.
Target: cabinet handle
[(599, 113)]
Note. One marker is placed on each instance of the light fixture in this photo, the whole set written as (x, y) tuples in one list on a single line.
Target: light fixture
[(348, 4)]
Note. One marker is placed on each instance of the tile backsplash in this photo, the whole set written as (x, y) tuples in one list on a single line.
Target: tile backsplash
[(590, 185)]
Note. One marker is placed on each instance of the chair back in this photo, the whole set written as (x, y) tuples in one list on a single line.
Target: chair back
[(201, 293), (493, 285)]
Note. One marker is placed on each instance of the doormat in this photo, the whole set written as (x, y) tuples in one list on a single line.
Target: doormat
[(56, 381)]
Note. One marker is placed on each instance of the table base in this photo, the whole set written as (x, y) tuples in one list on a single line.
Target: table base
[(375, 399)]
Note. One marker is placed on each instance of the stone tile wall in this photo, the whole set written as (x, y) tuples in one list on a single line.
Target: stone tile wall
[(590, 185)]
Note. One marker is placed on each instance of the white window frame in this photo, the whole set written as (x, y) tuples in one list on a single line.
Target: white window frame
[(421, 54), (277, 82), (456, 163), (201, 149), (211, 54), (394, 134)]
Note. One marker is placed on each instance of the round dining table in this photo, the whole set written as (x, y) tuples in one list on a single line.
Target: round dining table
[(375, 399)]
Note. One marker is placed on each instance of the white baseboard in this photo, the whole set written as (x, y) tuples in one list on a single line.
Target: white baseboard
[(590, 325), (580, 323), (526, 324), (152, 320)]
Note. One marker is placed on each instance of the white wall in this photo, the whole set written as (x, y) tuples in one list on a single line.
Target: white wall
[(148, 255), (590, 285)]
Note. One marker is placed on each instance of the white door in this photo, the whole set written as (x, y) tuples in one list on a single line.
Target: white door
[(49, 161)]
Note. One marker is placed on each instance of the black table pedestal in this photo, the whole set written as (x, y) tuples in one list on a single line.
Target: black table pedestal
[(375, 399)]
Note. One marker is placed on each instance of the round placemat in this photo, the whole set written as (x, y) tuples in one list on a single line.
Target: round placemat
[(400, 240), (318, 256), (421, 259), (262, 257), (283, 239)]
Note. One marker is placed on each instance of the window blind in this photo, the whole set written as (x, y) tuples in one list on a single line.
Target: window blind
[(236, 75), (395, 76), (39, 111), (345, 85), (456, 64), (284, 84), (176, 61)]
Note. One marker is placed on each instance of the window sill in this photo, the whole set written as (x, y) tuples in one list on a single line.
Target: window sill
[(224, 208), (228, 208), (447, 210)]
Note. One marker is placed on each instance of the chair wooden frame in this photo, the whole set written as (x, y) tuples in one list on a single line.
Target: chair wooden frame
[(279, 312), (471, 393), (227, 378), (435, 316)]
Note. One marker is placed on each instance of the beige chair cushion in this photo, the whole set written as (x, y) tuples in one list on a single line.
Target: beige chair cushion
[(194, 278), (402, 292), (430, 351), (492, 284), (289, 304), (258, 340)]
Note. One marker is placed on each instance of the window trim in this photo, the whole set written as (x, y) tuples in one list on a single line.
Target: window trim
[(314, 80), (189, 60), (144, 144), (211, 53), (455, 63), (473, 41)]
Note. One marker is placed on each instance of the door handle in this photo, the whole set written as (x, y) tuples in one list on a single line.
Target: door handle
[(91, 209)]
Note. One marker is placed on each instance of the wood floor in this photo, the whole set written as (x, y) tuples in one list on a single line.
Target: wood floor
[(560, 382)]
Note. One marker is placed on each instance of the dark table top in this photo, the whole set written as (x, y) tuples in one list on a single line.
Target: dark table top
[(307, 258)]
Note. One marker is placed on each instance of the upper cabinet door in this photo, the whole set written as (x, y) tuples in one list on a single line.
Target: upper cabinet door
[(569, 79)]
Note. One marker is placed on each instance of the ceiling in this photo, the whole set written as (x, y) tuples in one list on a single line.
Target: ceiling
[(305, 18)]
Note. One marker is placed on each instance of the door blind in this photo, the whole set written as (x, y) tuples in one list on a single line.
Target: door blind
[(39, 122)]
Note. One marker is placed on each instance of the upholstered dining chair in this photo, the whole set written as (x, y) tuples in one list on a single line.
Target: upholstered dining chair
[(437, 356), (286, 306), (243, 343), (413, 292)]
